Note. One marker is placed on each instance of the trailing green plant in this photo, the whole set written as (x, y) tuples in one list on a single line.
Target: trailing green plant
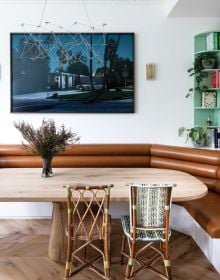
[(206, 57), (197, 71), (47, 140), (196, 134)]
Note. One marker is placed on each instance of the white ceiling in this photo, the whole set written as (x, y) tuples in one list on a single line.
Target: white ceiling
[(173, 8), (194, 8)]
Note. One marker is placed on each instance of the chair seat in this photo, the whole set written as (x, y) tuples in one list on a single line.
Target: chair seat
[(144, 235)]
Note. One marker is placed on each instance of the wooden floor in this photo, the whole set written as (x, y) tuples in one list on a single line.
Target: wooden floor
[(24, 244)]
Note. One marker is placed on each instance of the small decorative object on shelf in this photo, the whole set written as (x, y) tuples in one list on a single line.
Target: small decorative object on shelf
[(46, 141), (196, 134), (209, 121), (208, 60), (209, 99)]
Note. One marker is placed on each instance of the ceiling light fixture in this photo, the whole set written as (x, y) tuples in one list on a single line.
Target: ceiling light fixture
[(40, 46)]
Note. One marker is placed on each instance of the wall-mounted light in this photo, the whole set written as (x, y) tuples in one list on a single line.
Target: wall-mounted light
[(150, 71)]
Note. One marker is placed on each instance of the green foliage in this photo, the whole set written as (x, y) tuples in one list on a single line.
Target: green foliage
[(197, 134), (78, 68), (196, 71), (77, 65), (47, 140), (115, 75)]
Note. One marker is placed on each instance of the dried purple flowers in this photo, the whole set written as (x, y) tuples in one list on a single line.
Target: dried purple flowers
[(47, 140)]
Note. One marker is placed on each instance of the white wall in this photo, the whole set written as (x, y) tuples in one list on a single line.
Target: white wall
[(161, 107)]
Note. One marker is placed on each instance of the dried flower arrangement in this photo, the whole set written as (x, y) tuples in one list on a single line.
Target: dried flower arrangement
[(46, 141)]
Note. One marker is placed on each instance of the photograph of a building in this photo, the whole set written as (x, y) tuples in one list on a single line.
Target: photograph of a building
[(75, 73)]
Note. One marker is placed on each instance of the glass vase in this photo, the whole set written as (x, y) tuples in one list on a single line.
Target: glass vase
[(47, 168)]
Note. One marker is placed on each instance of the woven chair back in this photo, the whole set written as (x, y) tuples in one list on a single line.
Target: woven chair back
[(150, 205), (89, 207)]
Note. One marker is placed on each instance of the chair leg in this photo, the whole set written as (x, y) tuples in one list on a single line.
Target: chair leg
[(69, 256), (168, 272), (68, 262), (130, 265), (107, 257), (122, 249), (162, 247), (110, 253), (167, 261)]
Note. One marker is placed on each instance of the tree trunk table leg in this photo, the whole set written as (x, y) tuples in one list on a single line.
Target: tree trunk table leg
[(58, 239)]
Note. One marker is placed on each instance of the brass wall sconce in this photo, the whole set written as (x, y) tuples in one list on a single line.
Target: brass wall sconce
[(150, 71)]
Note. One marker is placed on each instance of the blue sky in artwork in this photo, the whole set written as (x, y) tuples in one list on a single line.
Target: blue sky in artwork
[(77, 42)]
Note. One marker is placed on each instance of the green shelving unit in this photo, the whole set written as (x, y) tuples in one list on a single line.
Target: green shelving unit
[(204, 43)]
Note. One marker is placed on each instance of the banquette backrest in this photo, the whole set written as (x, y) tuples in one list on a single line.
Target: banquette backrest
[(83, 155), (203, 164)]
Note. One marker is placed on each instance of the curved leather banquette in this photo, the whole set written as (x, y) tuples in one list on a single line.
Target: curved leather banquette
[(203, 164)]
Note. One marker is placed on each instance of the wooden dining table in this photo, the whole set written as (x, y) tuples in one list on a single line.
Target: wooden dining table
[(27, 185)]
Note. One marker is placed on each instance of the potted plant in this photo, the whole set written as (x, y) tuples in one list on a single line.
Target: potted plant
[(196, 134), (208, 60), (46, 141), (201, 62)]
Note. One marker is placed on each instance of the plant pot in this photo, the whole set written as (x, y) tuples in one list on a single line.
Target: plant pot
[(208, 63), (47, 168), (200, 144)]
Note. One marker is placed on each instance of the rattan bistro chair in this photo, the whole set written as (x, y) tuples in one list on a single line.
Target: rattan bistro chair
[(88, 220), (148, 221)]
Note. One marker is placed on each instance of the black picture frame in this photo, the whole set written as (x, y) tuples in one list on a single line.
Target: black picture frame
[(72, 72)]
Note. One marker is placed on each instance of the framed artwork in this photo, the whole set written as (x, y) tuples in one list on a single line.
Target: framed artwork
[(72, 72)]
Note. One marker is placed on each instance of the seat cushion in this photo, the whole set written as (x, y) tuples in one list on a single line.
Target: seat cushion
[(145, 235), (206, 211)]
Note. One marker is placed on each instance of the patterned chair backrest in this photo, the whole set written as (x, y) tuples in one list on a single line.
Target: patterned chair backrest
[(150, 205), (88, 210)]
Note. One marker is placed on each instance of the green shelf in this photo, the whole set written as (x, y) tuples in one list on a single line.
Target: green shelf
[(210, 126), (210, 70), (205, 51), (203, 34), (202, 108)]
